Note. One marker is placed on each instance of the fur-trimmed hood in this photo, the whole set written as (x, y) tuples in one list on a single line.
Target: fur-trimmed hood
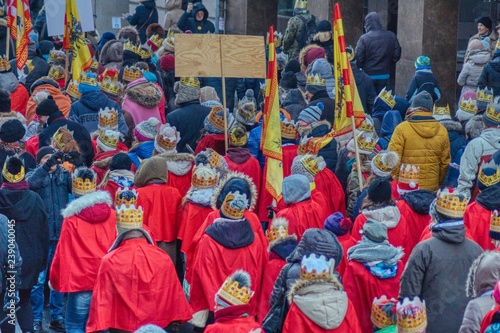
[(315, 129), (323, 301), (220, 192), (474, 127), (483, 274), (452, 125), (89, 200), (388, 215), (146, 94), (179, 164)]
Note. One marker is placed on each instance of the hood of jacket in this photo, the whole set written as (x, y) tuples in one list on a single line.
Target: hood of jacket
[(453, 127), (483, 274), (150, 4), (419, 201), (372, 22), (45, 83), (495, 64), (94, 100), (9, 82), (453, 235), (92, 207), (238, 154), (232, 234), (316, 130), (320, 242), (200, 6), (324, 302), (23, 202), (479, 57), (389, 122), (146, 94), (179, 164), (173, 4), (492, 136), (293, 97), (388, 215), (424, 124), (283, 246), (489, 198), (144, 149)]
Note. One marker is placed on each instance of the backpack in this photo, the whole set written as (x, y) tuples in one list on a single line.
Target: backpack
[(309, 29)]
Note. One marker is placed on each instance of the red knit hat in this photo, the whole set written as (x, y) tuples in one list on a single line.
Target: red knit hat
[(167, 62)]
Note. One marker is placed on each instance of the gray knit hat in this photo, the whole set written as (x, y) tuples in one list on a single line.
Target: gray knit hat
[(374, 231), (147, 129), (312, 113), (423, 100), (296, 189)]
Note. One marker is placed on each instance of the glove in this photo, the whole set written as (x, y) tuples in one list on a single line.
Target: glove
[(7, 304), (75, 158), (55, 159)]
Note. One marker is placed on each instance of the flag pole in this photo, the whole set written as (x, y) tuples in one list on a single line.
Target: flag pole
[(356, 151), (7, 46), (223, 96), (66, 67)]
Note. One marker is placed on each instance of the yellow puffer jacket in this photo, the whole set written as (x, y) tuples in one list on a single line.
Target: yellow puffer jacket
[(423, 142)]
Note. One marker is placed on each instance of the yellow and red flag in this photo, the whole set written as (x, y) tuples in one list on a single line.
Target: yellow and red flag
[(270, 143), (347, 101), (74, 40), (19, 22)]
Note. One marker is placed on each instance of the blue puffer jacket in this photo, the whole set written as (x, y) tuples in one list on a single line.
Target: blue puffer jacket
[(86, 111), (141, 152), (380, 108), (54, 189), (389, 123)]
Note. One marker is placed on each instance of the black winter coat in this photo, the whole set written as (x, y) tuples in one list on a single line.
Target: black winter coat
[(490, 77), (26, 208), (365, 88), (187, 21), (294, 103), (145, 14), (80, 134), (188, 120), (328, 103), (40, 68), (421, 78), (54, 189)]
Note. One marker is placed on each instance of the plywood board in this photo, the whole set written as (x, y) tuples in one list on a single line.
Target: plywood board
[(200, 55)]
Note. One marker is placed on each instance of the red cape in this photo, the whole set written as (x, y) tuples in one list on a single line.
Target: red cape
[(162, 210), (32, 145), (272, 270), (136, 285), (213, 263), (347, 241), (250, 167), (416, 222), (297, 321), (101, 171), (289, 153), (193, 217), (79, 252), (362, 287), (477, 223), (234, 319), (302, 216), (214, 141), (181, 183), (488, 318), (19, 99), (328, 184)]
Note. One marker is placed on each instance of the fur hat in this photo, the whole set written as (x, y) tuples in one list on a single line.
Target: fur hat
[(47, 107), (144, 93), (147, 130), (246, 109), (238, 136), (338, 224), (379, 190), (155, 29), (120, 161), (166, 140), (4, 101), (295, 189), (186, 93), (128, 33), (13, 170), (12, 131)]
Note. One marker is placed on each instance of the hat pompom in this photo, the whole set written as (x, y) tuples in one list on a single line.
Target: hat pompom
[(412, 185), (153, 122), (345, 224)]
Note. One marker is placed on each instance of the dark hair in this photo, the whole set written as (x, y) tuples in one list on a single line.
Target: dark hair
[(120, 161)]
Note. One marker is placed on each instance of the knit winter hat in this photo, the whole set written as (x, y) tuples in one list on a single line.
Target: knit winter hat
[(288, 80), (338, 224), (380, 190), (491, 118), (4, 101), (120, 161), (214, 122), (208, 93), (147, 130), (292, 66), (374, 231), (167, 139), (486, 21), (384, 163), (324, 26), (235, 290), (88, 82), (47, 150), (167, 62), (246, 109), (12, 131), (311, 114), (308, 165), (467, 106), (108, 140), (295, 189), (423, 62), (423, 100), (47, 107), (13, 170), (187, 90)]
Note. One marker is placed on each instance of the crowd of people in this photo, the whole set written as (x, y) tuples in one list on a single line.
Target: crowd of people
[(126, 203)]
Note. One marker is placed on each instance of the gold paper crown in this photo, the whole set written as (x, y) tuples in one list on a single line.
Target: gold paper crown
[(216, 117), (144, 53), (156, 40), (72, 89), (56, 57), (108, 119), (215, 159), (468, 105), (29, 65), (379, 163), (495, 221), (492, 114), (170, 39), (278, 39), (129, 217), (191, 82), (132, 73), (125, 196), (164, 141), (316, 268), (89, 79), (451, 204), (4, 64), (279, 229), (112, 87), (81, 186), (366, 126), (232, 293), (310, 163), (489, 180), (108, 140), (10, 177), (56, 72), (204, 177), (94, 65), (387, 97), (62, 137), (484, 95), (411, 316), (315, 80), (409, 173), (383, 312), (288, 130), (350, 53), (232, 210), (234, 140), (366, 142), (441, 110), (129, 46), (300, 4)]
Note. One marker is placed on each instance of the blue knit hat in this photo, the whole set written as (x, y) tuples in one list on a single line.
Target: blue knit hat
[(312, 113), (338, 224), (423, 62)]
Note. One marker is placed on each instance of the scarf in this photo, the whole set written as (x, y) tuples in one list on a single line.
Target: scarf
[(201, 197), (124, 178), (367, 251), (19, 186), (381, 270)]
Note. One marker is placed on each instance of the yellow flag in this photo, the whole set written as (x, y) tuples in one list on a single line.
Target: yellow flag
[(19, 22)]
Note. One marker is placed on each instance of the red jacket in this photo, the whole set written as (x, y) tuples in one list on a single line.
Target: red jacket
[(86, 236), (347, 241), (477, 223), (328, 184), (234, 319), (416, 222), (32, 145), (289, 152), (19, 99), (162, 210), (303, 215), (193, 216), (136, 285), (362, 287)]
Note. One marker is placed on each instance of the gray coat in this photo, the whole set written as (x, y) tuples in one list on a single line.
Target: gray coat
[(437, 272)]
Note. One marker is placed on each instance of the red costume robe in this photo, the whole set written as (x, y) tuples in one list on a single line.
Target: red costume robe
[(180, 182), (136, 285), (86, 236), (32, 145), (180, 171), (214, 141), (477, 223), (362, 287), (162, 210), (193, 216), (347, 241), (271, 273), (416, 222), (240, 160), (303, 215), (234, 319), (328, 184), (289, 152), (19, 99)]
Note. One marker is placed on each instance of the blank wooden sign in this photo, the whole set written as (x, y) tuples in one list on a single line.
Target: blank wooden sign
[(200, 55)]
